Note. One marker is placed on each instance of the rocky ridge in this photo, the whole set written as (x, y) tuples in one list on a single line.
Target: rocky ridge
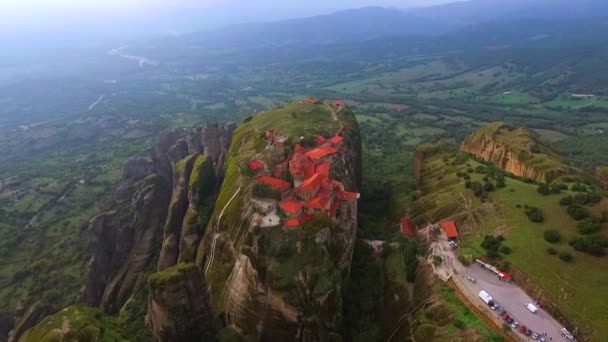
[(517, 151)]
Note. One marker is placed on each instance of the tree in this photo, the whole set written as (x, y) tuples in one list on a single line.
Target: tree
[(544, 189), (552, 236), (535, 214), (589, 225), (577, 212), (488, 187), (593, 244)]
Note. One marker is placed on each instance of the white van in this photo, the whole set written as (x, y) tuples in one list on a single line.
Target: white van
[(532, 308)]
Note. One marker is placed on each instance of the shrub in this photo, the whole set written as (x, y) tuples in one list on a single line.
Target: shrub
[(552, 235), (589, 225), (500, 183), (578, 187), (477, 189), (459, 324), (464, 260), (488, 187), (437, 260), (565, 201), (591, 244), (535, 215), (467, 184), (544, 189), (577, 212), (551, 251), (505, 249), (565, 256)]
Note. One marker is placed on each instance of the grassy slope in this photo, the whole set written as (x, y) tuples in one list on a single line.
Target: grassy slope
[(572, 286)]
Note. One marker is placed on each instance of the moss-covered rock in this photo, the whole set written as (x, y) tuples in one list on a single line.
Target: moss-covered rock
[(76, 323)]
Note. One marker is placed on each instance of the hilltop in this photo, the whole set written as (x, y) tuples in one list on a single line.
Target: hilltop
[(516, 150)]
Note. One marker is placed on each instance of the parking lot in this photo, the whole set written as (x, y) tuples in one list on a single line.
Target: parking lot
[(506, 294)]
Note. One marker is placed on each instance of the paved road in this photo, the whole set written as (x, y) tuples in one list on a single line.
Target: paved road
[(508, 295)]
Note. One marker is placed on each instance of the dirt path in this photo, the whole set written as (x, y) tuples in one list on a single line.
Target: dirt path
[(217, 235)]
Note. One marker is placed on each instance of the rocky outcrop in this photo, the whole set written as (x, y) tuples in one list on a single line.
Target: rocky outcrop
[(177, 211), (34, 314), (178, 306), (123, 244), (268, 283), (517, 151), (216, 142), (136, 168)]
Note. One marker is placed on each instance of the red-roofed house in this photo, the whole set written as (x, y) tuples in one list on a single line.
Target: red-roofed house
[(320, 140), (450, 229), (319, 203), (256, 165), (300, 166), (336, 140), (273, 182), (321, 152), (407, 229), (269, 135), (311, 101), (323, 169), (309, 188), (292, 223), (338, 103), (291, 207)]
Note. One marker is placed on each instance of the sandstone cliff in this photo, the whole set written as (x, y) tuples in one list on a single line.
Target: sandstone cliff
[(516, 150)]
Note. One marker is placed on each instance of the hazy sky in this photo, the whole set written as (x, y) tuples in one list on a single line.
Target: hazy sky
[(67, 15)]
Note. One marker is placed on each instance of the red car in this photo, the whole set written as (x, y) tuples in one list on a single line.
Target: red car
[(505, 317), (522, 329)]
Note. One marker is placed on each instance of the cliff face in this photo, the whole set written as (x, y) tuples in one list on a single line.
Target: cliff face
[(268, 282), (162, 206), (517, 151), (178, 306)]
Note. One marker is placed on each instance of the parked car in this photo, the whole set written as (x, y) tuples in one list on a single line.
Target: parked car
[(472, 280), (542, 338), (531, 307), (510, 320), (505, 317), (515, 324), (566, 334), (522, 329), (535, 336), (528, 332)]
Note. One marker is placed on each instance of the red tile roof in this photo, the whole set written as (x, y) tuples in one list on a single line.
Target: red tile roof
[(407, 228), (450, 229), (292, 223), (323, 169), (291, 206), (317, 203), (256, 165), (321, 152), (273, 182), (269, 134), (346, 196), (336, 140), (311, 183), (338, 103)]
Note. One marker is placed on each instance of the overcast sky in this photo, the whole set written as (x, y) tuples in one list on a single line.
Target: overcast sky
[(66, 15)]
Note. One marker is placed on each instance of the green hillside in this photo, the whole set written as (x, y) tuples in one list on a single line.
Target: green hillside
[(448, 189)]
